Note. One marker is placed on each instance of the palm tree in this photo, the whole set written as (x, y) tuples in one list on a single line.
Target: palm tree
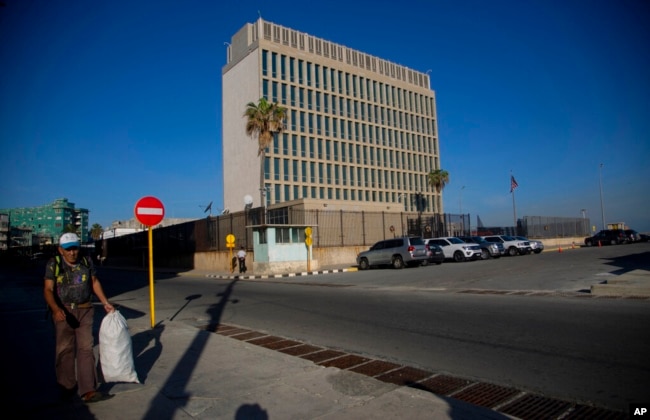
[(439, 178), (96, 231), (264, 121)]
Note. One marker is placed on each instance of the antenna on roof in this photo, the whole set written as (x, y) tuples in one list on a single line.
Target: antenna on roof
[(208, 208)]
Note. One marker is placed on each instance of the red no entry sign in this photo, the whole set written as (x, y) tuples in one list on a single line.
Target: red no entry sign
[(149, 211)]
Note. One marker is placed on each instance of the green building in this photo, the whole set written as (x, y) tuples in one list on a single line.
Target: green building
[(48, 222)]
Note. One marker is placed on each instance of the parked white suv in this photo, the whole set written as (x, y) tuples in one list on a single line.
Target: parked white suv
[(512, 245), (456, 249)]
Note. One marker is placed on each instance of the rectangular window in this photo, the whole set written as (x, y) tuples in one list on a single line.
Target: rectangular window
[(265, 63), (283, 235)]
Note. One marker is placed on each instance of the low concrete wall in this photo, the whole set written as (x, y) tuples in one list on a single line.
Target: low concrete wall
[(327, 257), (569, 242)]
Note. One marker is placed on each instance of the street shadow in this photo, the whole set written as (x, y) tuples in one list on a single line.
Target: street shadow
[(188, 299), (177, 381), (630, 262), (251, 412)]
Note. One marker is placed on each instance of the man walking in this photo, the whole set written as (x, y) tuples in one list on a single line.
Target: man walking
[(70, 282)]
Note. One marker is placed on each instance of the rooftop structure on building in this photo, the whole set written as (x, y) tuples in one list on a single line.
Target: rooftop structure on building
[(361, 131)]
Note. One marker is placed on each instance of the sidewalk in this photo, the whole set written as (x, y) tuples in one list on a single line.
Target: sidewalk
[(190, 373)]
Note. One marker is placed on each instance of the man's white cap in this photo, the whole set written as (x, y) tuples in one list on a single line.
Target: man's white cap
[(68, 240)]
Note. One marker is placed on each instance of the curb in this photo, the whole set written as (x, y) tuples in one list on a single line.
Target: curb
[(278, 276)]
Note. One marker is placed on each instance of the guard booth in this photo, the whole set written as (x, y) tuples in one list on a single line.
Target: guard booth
[(282, 249)]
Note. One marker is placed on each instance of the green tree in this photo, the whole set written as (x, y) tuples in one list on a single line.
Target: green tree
[(96, 231), (264, 120), (70, 228), (438, 179)]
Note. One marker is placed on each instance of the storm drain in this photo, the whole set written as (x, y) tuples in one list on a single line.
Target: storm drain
[(485, 395), (501, 399)]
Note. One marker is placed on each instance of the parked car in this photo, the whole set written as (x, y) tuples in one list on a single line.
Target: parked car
[(607, 237), (455, 249), (643, 237), (632, 235), (398, 252), (436, 255), (536, 246), (512, 245), (488, 249)]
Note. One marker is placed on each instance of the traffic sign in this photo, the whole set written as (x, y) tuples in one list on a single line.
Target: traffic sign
[(149, 211), (230, 240)]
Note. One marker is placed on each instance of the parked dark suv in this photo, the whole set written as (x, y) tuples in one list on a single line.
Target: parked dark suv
[(607, 237), (397, 252)]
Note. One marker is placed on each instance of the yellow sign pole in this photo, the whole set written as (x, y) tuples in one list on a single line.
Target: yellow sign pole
[(151, 294), (230, 243), (308, 242)]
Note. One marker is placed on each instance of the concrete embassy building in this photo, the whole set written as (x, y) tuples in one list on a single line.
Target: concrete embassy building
[(361, 132)]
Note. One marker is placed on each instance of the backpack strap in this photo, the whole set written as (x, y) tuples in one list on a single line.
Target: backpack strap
[(57, 267)]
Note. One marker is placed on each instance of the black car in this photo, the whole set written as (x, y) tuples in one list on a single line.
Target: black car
[(607, 237), (436, 255)]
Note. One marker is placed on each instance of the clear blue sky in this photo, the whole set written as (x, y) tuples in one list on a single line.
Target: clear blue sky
[(103, 102)]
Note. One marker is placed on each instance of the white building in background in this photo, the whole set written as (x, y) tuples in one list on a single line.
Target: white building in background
[(361, 132)]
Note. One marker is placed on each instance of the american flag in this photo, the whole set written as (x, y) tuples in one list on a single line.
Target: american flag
[(513, 183)]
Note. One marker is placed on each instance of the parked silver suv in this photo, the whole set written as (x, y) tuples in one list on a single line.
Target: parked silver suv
[(397, 252)]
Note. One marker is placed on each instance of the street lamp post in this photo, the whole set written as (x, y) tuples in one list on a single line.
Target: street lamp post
[(460, 206), (584, 222), (602, 207)]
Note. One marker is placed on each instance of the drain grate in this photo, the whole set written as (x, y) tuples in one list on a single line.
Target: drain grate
[(262, 341), (443, 384), (248, 336), (404, 376), (321, 356), (584, 412), (232, 331), (535, 407), (301, 349), (501, 399), (345, 362), (282, 344), (485, 395), (374, 368)]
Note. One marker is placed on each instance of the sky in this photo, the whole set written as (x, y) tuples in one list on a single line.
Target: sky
[(104, 102)]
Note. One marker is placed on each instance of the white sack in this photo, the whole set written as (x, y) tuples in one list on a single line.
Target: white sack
[(115, 353)]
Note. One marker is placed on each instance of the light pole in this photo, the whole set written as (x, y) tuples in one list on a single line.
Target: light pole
[(460, 205), (602, 207), (584, 221)]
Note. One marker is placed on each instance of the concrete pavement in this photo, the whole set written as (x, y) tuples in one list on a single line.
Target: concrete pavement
[(191, 373), (187, 372)]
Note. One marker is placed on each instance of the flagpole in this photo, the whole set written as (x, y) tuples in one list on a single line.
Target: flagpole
[(514, 208), (513, 185)]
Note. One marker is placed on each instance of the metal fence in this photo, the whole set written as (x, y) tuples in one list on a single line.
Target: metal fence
[(331, 228), (554, 227), (338, 227)]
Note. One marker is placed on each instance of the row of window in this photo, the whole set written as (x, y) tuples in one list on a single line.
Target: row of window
[(359, 132), (327, 49), (332, 174), (294, 70), (309, 100), (343, 152), (286, 192)]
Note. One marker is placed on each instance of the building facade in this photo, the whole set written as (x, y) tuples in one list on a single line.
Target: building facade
[(361, 132), (47, 222)]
